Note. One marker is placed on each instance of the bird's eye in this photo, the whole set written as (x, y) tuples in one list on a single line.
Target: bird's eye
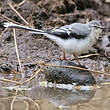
[(95, 26)]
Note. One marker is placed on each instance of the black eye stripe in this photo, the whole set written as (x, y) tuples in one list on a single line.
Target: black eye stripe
[(98, 26)]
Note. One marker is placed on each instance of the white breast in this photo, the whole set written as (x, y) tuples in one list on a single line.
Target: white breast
[(77, 46)]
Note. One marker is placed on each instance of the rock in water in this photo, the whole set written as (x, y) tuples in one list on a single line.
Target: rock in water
[(63, 93), (67, 75)]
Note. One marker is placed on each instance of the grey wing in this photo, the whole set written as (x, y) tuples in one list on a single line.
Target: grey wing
[(75, 30)]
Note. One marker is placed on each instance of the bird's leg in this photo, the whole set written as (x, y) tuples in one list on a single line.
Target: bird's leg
[(76, 59), (64, 56)]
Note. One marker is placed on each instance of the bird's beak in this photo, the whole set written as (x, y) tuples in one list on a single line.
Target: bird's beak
[(102, 27)]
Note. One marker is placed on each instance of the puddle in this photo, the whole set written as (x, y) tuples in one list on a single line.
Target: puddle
[(41, 98)]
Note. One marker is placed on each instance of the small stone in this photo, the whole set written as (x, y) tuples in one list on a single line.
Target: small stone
[(68, 75)]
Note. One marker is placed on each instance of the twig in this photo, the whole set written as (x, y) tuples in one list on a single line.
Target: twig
[(86, 56), (2, 34), (21, 83), (72, 67), (21, 3), (12, 103), (11, 70), (33, 76), (8, 19), (27, 105), (36, 104), (18, 13), (8, 97), (79, 68), (30, 18), (16, 47), (10, 81)]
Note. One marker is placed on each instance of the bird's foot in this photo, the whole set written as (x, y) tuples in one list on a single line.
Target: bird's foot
[(76, 58), (63, 58)]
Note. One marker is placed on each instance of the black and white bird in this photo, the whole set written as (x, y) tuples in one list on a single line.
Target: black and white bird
[(76, 38)]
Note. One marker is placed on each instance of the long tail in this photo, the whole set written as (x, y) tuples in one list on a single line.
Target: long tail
[(35, 31), (12, 25)]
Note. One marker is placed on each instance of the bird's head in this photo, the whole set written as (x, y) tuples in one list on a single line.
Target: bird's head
[(95, 24), (96, 28)]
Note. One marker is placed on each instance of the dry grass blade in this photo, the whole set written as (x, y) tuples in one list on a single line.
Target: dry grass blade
[(21, 3), (26, 105), (18, 13), (8, 19), (12, 70), (10, 81), (33, 76), (8, 97), (12, 103), (36, 104), (3, 32), (2, 35), (79, 68), (86, 56), (16, 47)]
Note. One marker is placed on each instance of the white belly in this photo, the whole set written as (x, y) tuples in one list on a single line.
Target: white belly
[(72, 45), (77, 46)]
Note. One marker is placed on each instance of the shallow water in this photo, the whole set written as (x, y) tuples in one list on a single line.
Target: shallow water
[(54, 99)]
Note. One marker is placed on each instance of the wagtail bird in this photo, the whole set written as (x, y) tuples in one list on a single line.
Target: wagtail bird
[(76, 38)]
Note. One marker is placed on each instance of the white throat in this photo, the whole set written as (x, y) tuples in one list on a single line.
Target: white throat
[(96, 32)]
